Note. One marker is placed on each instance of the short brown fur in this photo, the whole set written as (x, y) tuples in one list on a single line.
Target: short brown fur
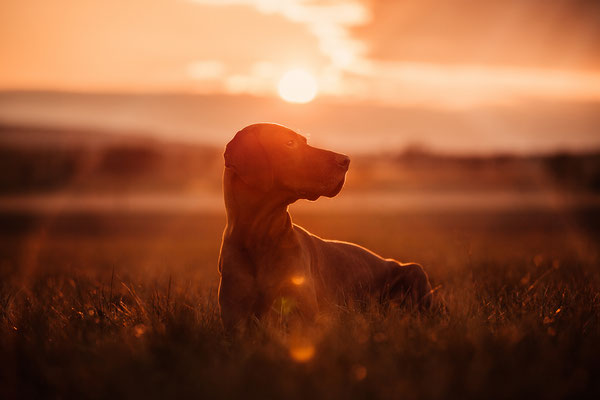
[(265, 257)]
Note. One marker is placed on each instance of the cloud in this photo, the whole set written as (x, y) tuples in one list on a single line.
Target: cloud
[(206, 69), (330, 21), (557, 34), (258, 81), (359, 68), (463, 86)]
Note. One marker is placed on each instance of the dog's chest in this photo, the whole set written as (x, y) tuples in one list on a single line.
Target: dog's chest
[(282, 270)]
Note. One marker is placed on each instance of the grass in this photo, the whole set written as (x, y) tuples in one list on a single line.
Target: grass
[(125, 306)]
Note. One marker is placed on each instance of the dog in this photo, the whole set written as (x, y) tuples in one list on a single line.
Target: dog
[(265, 258)]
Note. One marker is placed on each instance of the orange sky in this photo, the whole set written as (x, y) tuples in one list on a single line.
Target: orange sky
[(448, 55), (365, 49)]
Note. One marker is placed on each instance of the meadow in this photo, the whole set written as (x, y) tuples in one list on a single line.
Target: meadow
[(108, 277), (124, 305), (473, 130)]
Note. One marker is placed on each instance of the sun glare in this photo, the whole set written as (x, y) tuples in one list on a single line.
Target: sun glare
[(303, 352), (297, 280), (297, 86)]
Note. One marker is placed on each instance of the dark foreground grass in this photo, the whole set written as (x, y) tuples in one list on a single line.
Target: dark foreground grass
[(509, 322)]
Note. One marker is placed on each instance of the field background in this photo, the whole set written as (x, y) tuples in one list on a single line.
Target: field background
[(108, 279)]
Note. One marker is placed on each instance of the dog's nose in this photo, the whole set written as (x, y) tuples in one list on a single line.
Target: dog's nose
[(342, 160)]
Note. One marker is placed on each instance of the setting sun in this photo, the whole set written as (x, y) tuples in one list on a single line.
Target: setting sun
[(297, 86)]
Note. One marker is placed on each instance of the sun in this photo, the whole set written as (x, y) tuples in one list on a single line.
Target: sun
[(297, 86)]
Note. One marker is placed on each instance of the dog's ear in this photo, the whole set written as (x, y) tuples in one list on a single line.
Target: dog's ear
[(247, 157)]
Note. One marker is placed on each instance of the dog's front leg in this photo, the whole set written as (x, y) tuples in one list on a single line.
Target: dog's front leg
[(236, 301)]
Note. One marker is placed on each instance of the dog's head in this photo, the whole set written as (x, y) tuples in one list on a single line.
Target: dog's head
[(271, 157)]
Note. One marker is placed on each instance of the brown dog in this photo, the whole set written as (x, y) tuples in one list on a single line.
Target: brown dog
[(265, 258)]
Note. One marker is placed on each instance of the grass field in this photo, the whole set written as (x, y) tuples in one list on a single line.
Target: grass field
[(124, 305)]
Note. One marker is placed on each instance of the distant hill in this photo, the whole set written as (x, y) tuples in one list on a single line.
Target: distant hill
[(354, 127), (36, 159), (43, 160)]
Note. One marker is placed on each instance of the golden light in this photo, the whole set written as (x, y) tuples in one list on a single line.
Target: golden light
[(359, 372), (297, 86), (303, 352), (298, 280)]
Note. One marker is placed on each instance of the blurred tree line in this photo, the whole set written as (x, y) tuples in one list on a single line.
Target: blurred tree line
[(125, 163)]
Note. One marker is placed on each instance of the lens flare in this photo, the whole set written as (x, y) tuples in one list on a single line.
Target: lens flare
[(302, 352), (298, 280)]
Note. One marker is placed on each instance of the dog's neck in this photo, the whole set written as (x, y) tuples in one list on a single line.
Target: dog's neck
[(255, 220)]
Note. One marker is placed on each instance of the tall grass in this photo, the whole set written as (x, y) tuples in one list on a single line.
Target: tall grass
[(506, 324)]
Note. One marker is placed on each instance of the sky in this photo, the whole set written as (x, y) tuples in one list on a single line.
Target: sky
[(455, 56)]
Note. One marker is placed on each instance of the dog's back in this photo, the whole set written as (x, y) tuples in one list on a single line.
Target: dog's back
[(345, 271)]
